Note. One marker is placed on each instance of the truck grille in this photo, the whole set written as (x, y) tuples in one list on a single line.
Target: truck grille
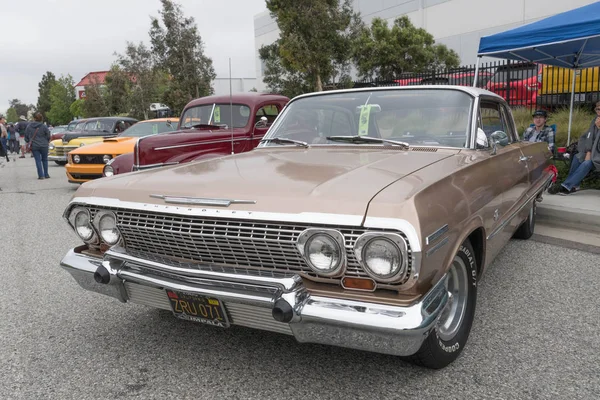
[(63, 150), (226, 242)]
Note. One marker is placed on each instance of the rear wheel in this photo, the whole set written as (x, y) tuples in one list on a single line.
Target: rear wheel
[(446, 341), (526, 229), (61, 162)]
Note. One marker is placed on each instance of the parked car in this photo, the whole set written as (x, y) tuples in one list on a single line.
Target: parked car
[(92, 130), (517, 83), (87, 163), (365, 219), (206, 131), (70, 127), (464, 78)]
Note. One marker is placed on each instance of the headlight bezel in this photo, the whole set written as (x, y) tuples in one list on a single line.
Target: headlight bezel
[(51, 146), (94, 239), (76, 159), (97, 219), (106, 168), (105, 159), (305, 239), (364, 240)]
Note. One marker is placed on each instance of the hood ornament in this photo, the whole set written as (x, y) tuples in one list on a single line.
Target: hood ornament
[(199, 201)]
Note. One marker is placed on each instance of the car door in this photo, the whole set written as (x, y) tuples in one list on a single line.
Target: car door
[(511, 178)]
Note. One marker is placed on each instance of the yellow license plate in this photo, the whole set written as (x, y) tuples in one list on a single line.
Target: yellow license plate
[(198, 308)]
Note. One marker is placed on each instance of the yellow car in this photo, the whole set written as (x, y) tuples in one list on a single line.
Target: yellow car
[(87, 162)]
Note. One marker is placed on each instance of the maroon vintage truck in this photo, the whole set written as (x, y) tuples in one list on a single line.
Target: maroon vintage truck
[(209, 127)]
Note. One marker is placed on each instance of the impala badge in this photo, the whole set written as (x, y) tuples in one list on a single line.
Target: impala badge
[(201, 201)]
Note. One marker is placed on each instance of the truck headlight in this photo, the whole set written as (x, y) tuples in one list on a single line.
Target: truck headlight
[(106, 223), (323, 250), (76, 159), (383, 255), (50, 146), (81, 144)]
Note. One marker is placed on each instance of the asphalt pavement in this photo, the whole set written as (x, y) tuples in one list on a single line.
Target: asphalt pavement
[(535, 335)]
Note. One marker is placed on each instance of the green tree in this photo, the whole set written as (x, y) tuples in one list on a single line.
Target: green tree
[(44, 86), (178, 49), (118, 91), (386, 53), (76, 109), (62, 95), (315, 39), (137, 63), (95, 100), (280, 77), (11, 115), (20, 107)]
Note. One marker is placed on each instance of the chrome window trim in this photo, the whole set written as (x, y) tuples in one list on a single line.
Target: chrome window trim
[(397, 240), (337, 236)]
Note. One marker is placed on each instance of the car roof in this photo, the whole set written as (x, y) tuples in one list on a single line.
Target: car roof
[(159, 120), (250, 98), (473, 91)]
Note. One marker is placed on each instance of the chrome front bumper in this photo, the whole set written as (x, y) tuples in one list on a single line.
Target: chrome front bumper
[(263, 302), (57, 158)]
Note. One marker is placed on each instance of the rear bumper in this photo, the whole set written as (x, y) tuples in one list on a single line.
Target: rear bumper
[(257, 301)]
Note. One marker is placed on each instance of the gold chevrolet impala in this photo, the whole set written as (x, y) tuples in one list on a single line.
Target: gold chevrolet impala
[(364, 219)]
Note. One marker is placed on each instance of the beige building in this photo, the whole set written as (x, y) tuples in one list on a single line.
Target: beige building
[(456, 23)]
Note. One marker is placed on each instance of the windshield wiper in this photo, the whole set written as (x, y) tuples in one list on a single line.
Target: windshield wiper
[(285, 141), (366, 139)]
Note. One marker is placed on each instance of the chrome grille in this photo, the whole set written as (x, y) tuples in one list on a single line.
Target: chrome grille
[(226, 242), (63, 150)]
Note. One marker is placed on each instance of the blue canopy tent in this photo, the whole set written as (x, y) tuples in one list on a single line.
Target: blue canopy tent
[(570, 40)]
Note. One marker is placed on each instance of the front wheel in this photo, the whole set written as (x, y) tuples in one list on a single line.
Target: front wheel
[(446, 341)]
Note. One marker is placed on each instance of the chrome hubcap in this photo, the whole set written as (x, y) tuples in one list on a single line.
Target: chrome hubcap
[(454, 313)]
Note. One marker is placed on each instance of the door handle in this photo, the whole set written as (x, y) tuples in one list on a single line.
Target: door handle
[(525, 158)]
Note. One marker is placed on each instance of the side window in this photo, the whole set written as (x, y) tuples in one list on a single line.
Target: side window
[(508, 125), (270, 111), (491, 119)]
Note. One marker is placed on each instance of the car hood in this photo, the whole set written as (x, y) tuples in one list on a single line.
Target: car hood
[(340, 180), (113, 146)]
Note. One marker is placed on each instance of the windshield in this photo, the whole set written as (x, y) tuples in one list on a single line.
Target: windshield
[(71, 126), (216, 114), (426, 117), (79, 126), (149, 128), (100, 125)]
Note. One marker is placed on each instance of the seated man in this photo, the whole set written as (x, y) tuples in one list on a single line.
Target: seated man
[(587, 159), (540, 132)]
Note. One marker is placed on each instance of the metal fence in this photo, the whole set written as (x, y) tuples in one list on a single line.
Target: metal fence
[(533, 86)]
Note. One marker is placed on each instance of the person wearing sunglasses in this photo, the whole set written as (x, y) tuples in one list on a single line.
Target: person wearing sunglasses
[(586, 160)]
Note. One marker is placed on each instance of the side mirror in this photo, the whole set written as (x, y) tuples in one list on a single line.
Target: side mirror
[(169, 123), (481, 139), (262, 123), (498, 138)]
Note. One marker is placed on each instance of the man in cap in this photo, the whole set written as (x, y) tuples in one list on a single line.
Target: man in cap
[(540, 132)]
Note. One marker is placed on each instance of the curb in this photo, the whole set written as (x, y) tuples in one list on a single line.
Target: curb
[(585, 220)]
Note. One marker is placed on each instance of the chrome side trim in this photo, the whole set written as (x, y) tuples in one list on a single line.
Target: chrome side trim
[(438, 246), (200, 201), (518, 210), (179, 146), (149, 166), (436, 235)]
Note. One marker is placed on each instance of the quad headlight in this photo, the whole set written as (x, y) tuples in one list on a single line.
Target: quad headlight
[(76, 159), (81, 221), (106, 224), (383, 256), (108, 170), (106, 158), (323, 250)]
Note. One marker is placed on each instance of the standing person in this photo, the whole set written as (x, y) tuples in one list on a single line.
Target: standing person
[(3, 138), (21, 128), (38, 135), (12, 139)]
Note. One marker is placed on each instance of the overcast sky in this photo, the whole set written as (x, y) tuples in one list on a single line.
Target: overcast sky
[(79, 36)]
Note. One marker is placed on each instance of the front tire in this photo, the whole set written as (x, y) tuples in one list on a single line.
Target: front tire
[(525, 231), (447, 340), (61, 162)]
